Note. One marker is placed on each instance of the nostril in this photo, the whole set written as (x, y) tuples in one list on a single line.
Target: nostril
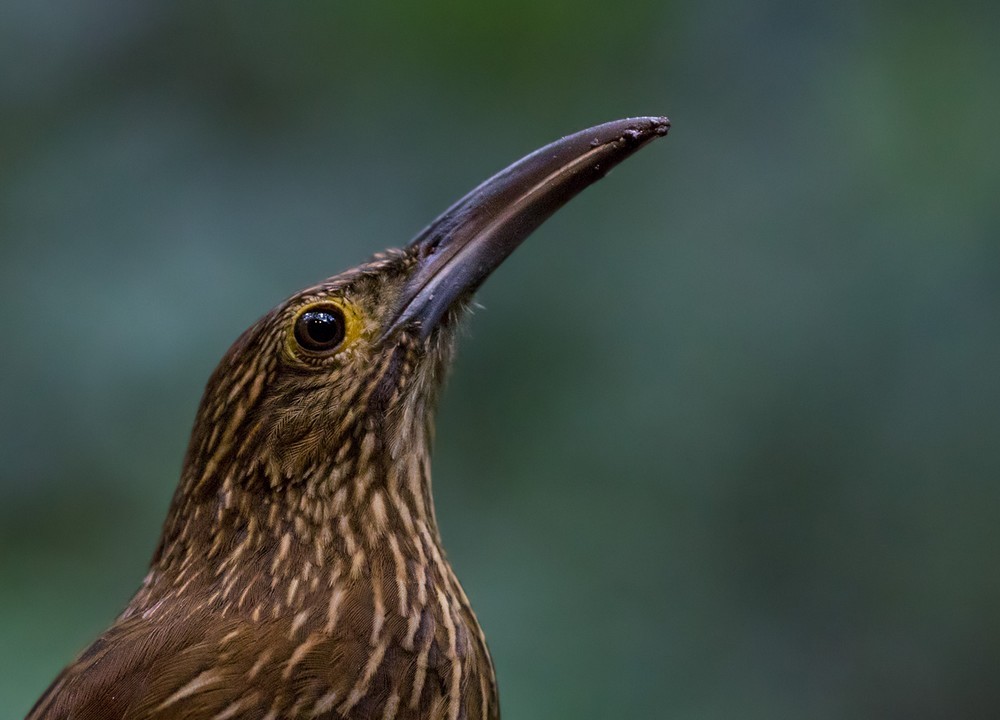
[(430, 247)]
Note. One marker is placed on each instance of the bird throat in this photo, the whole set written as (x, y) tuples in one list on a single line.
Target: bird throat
[(253, 539)]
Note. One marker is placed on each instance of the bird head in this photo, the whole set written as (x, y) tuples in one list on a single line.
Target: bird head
[(333, 391)]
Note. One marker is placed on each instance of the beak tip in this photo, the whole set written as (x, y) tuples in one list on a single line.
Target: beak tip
[(627, 135), (645, 128)]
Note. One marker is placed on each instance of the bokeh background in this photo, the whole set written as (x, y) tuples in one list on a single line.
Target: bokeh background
[(725, 440)]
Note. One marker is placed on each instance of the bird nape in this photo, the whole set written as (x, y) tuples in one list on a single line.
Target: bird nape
[(300, 573)]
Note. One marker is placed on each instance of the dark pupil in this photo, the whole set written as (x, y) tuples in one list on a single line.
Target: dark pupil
[(320, 329)]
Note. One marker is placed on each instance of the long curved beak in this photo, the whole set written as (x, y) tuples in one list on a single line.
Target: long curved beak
[(459, 250)]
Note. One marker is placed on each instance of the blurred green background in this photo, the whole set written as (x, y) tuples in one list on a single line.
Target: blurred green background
[(725, 441)]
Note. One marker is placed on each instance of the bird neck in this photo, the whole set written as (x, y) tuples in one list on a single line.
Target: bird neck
[(255, 538)]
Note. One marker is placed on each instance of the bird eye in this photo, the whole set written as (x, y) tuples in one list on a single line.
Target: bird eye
[(320, 328)]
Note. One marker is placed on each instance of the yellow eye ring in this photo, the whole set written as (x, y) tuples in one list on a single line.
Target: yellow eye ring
[(324, 328)]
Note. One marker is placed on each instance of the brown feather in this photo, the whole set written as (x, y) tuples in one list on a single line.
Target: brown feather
[(300, 572)]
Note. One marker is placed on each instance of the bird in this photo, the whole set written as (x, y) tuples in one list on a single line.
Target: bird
[(300, 572)]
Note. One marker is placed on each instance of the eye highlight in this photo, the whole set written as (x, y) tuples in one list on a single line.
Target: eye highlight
[(320, 328)]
